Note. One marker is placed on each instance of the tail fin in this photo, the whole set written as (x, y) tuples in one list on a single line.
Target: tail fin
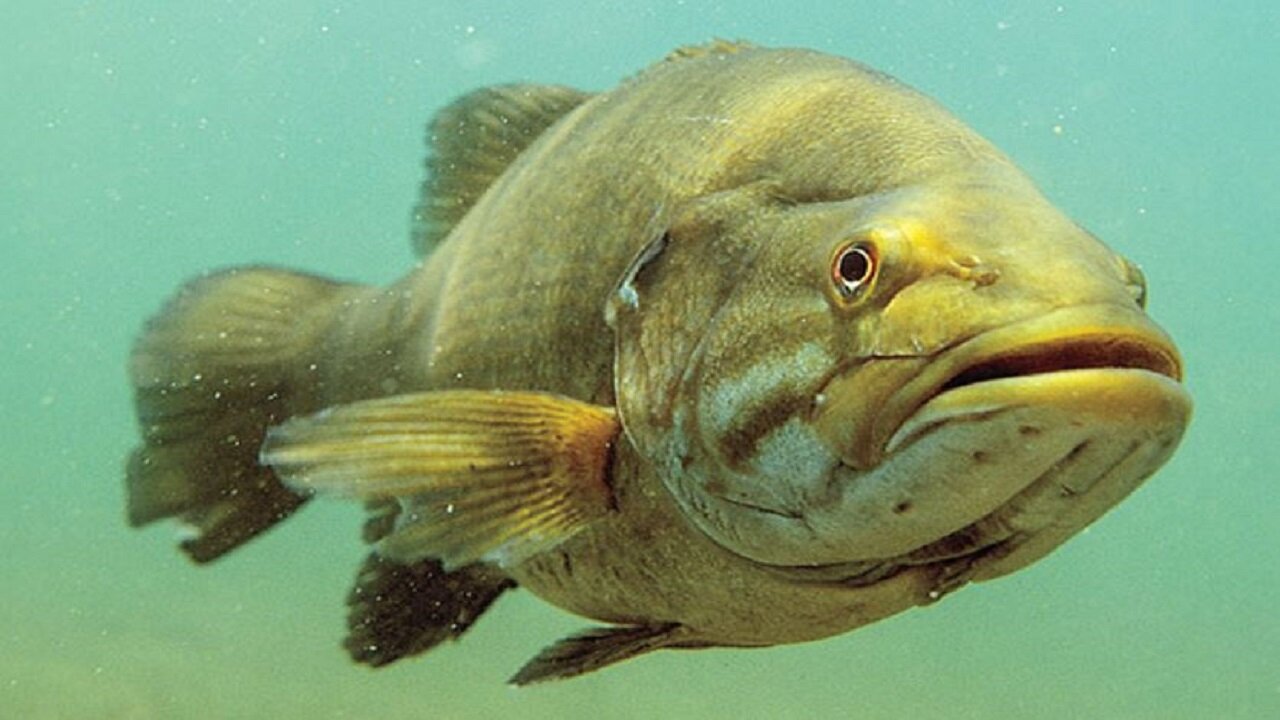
[(226, 359)]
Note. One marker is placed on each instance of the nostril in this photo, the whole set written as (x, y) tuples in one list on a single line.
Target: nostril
[(972, 268)]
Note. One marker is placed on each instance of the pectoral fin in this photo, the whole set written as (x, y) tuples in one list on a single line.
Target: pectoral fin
[(479, 475)]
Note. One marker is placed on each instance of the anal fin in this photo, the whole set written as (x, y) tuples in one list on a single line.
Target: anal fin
[(396, 611), (595, 648), (479, 475)]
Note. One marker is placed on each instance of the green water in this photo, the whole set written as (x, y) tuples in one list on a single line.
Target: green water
[(143, 142)]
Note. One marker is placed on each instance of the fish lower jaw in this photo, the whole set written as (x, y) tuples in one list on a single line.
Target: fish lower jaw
[(1101, 433), (1007, 468)]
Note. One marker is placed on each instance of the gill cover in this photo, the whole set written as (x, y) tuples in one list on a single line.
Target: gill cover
[(722, 344)]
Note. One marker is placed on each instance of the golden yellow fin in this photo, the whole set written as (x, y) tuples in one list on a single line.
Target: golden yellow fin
[(473, 141), (480, 475)]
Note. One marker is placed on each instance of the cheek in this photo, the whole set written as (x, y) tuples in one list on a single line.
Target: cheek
[(752, 441), (744, 406), (794, 460)]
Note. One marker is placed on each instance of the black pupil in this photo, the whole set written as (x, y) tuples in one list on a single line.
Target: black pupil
[(854, 266)]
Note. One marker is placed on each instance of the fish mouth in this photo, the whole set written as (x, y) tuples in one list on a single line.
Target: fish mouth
[(998, 449), (1089, 337), (1099, 349)]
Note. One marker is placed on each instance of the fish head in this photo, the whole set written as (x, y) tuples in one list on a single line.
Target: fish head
[(946, 375)]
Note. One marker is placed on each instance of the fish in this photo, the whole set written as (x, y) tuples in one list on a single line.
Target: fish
[(759, 347)]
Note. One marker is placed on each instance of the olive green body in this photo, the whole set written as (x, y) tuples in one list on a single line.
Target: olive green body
[(515, 298), (757, 348)]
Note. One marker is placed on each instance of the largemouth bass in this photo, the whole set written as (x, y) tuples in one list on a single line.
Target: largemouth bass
[(757, 348)]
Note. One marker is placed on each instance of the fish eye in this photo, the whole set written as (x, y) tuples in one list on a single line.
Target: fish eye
[(852, 268)]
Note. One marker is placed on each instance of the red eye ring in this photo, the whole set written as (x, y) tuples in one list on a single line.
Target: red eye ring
[(852, 268)]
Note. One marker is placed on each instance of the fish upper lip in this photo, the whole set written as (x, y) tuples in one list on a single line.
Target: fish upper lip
[(1069, 338)]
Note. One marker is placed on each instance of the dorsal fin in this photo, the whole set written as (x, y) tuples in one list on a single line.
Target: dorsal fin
[(473, 141), (718, 46)]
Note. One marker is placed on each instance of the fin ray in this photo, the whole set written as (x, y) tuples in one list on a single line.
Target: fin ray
[(478, 474)]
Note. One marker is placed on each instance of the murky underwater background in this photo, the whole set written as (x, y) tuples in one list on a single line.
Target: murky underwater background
[(142, 142)]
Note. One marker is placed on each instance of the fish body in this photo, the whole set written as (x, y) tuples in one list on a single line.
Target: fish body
[(757, 348)]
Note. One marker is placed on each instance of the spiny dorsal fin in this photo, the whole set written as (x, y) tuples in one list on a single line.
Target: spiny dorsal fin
[(473, 141), (479, 475), (718, 46), (595, 648)]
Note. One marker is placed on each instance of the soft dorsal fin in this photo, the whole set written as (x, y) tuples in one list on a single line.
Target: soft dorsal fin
[(473, 141)]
